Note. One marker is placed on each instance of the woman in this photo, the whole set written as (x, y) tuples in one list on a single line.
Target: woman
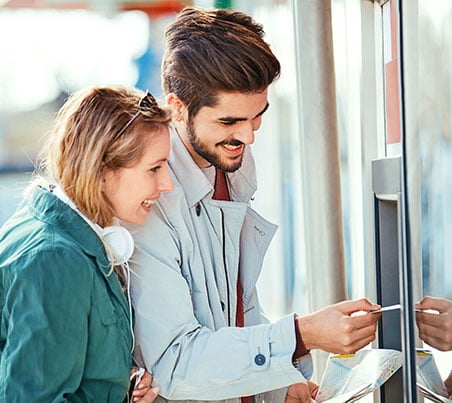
[(65, 329)]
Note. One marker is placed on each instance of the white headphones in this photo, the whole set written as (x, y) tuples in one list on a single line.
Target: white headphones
[(118, 240)]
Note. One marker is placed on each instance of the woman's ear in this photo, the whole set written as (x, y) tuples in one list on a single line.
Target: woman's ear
[(176, 105), (103, 177)]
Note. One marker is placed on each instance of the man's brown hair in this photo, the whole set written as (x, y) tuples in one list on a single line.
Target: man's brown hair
[(211, 51)]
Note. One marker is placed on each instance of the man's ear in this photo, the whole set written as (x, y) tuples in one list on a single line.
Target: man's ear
[(176, 105)]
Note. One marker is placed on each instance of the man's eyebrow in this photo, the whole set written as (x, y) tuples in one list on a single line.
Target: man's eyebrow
[(231, 119), (263, 110)]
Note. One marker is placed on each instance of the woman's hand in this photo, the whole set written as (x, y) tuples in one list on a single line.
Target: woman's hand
[(143, 392)]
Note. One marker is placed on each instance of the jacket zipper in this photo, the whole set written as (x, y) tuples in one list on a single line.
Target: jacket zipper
[(228, 299)]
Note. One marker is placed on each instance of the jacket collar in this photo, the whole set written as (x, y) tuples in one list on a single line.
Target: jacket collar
[(51, 210), (195, 184)]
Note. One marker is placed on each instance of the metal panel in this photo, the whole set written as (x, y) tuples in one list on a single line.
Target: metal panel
[(394, 277), (386, 188)]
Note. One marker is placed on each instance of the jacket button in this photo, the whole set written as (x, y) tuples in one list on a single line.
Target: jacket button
[(259, 359)]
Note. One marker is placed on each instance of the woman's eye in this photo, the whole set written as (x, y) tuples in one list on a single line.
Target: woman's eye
[(155, 169)]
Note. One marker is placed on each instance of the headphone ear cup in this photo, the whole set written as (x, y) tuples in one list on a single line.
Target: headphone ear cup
[(120, 242), (117, 239)]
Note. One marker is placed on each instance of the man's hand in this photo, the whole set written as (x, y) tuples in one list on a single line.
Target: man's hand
[(448, 384), (335, 330), (303, 392), (435, 330)]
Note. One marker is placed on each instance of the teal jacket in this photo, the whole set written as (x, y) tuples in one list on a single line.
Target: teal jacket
[(64, 324)]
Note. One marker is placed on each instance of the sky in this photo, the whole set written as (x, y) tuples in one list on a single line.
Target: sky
[(45, 51)]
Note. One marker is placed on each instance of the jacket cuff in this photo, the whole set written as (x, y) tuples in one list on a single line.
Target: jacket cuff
[(300, 348), (304, 366)]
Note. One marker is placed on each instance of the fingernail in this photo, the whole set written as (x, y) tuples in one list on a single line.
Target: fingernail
[(155, 390)]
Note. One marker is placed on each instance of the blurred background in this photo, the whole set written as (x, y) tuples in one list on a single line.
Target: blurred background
[(49, 48)]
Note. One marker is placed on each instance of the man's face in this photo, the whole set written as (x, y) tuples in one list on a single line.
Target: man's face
[(218, 135)]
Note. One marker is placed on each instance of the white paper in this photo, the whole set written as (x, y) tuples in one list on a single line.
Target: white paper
[(349, 377), (429, 379)]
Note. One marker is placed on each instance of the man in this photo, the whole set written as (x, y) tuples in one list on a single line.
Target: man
[(200, 252)]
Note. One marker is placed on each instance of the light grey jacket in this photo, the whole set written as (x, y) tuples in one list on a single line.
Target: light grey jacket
[(184, 292)]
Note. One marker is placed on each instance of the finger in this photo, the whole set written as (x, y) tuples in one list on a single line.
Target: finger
[(299, 392), (140, 392), (437, 343), (424, 299), (145, 382), (435, 338), (355, 346), (430, 319), (426, 333), (358, 326), (297, 399), (347, 344), (348, 339), (439, 304), (363, 336), (314, 389), (368, 320), (363, 304), (358, 345), (149, 397)]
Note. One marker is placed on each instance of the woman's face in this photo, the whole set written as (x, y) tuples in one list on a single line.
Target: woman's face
[(132, 191)]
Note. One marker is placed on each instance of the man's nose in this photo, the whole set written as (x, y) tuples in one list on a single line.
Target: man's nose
[(245, 133)]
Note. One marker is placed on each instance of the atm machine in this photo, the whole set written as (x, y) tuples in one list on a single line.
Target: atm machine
[(394, 278), (395, 187)]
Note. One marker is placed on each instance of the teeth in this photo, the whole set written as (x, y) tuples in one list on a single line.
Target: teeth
[(231, 147), (147, 203)]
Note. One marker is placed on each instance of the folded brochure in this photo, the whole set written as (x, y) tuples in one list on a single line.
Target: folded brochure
[(429, 380), (349, 377)]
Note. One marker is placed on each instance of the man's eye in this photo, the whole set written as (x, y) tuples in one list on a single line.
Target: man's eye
[(227, 122)]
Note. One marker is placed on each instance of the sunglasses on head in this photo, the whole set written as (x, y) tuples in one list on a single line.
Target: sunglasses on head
[(147, 103)]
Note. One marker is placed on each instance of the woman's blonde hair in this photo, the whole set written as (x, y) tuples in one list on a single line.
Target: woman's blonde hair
[(98, 128)]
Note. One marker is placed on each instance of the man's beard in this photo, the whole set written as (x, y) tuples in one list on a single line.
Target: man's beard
[(211, 156)]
